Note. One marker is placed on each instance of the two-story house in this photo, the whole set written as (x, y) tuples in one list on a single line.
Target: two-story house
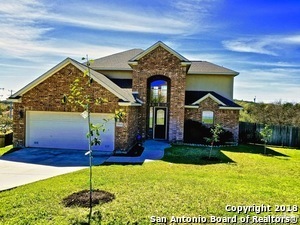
[(158, 89)]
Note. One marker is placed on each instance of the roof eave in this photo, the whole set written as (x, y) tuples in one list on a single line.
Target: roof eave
[(129, 104), (110, 69), (191, 106), (210, 73), (14, 100), (132, 63), (220, 107), (209, 95), (231, 107), (185, 63)]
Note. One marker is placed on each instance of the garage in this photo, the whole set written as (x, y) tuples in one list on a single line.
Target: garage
[(66, 130)]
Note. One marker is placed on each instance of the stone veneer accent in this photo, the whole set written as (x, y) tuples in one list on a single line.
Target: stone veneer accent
[(229, 119), (47, 96), (161, 62)]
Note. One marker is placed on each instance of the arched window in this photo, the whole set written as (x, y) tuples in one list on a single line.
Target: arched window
[(159, 91), (208, 117)]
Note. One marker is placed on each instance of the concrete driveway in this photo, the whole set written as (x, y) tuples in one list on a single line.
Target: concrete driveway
[(33, 164)]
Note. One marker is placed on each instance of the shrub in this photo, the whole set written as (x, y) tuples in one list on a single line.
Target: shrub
[(197, 133)]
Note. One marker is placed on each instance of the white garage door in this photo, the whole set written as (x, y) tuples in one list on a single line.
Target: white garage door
[(66, 130)]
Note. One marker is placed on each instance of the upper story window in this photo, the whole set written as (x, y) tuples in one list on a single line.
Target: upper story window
[(208, 117), (159, 91)]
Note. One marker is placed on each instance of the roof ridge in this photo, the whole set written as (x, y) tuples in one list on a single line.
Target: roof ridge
[(122, 52)]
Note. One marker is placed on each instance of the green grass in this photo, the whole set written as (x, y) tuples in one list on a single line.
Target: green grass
[(5, 149), (182, 184)]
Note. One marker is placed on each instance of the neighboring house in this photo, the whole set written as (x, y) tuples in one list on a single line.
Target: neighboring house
[(158, 88)]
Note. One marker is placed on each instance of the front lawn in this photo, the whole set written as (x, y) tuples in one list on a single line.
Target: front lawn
[(174, 186), (5, 149)]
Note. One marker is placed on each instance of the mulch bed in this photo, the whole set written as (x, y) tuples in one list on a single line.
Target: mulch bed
[(135, 151), (82, 198)]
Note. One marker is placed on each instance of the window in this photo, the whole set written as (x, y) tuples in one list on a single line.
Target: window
[(150, 117), (160, 117), (207, 117), (159, 91)]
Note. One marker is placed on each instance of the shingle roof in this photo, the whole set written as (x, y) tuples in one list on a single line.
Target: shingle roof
[(118, 61), (203, 67), (193, 96), (98, 77)]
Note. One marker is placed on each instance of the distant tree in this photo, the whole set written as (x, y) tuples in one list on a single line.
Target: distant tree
[(5, 121), (3, 107), (296, 115), (276, 113), (5, 124)]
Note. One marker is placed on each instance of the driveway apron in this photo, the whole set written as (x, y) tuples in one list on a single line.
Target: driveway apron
[(33, 164)]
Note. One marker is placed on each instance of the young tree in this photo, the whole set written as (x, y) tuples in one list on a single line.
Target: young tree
[(80, 95), (266, 134), (215, 131)]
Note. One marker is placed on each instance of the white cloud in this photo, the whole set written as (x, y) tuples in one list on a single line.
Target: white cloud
[(269, 64), (25, 25), (292, 39), (20, 30), (265, 93), (249, 45), (103, 19), (268, 84), (196, 13), (270, 44)]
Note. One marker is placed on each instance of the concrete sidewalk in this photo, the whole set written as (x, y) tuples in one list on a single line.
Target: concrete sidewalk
[(154, 150), (33, 164)]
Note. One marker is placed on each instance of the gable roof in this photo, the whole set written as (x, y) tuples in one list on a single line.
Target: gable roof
[(98, 77), (193, 98), (118, 61), (122, 61), (156, 45), (203, 67)]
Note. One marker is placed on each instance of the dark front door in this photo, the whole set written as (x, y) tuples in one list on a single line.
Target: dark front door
[(160, 123)]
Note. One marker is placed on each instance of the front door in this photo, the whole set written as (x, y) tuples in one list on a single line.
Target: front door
[(160, 123)]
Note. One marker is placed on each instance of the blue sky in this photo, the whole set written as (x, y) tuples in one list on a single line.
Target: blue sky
[(258, 38)]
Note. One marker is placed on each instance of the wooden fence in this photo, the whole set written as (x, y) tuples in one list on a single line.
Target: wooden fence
[(281, 135)]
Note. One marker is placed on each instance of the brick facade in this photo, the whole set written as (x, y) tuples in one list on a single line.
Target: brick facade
[(126, 135), (48, 95), (228, 118), (163, 63)]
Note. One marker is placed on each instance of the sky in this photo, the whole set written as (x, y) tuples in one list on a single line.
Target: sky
[(260, 39)]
